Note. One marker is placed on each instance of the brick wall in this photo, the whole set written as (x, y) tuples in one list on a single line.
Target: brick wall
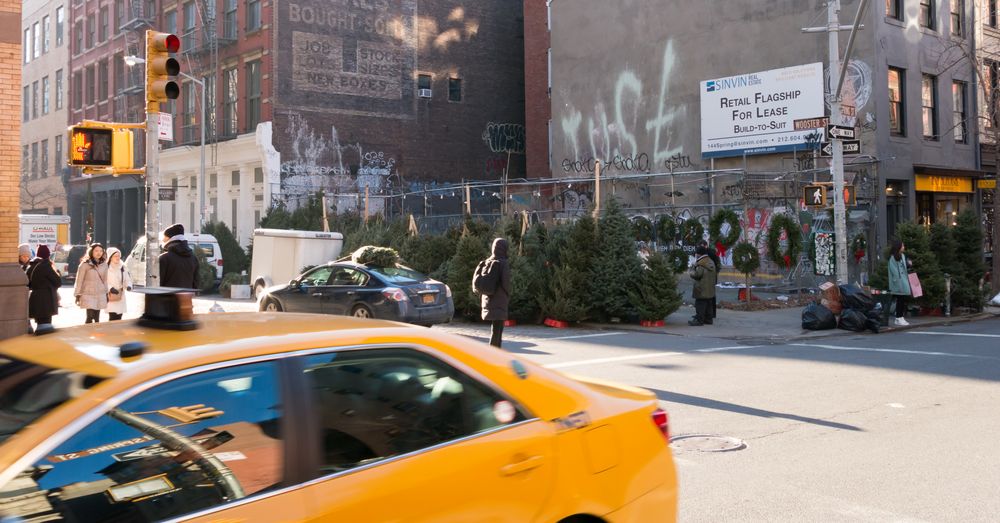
[(537, 103), (10, 138)]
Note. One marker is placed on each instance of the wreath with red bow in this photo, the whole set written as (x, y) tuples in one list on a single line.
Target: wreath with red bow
[(723, 243), (783, 223)]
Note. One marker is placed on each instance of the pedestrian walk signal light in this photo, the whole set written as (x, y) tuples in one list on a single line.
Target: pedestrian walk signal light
[(161, 68), (100, 147), (814, 195)]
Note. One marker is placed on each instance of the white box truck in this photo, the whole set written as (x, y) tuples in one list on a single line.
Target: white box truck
[(279, 255), (51, 230)]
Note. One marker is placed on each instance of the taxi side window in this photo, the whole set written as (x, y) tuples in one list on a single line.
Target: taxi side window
[(318, 276), (191, 444), (378, 403)]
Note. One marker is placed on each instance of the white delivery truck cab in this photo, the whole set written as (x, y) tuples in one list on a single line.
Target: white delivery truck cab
[(51, 230), (279, 255)]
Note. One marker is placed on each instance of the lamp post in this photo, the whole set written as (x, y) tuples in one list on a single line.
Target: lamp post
[(134, 60)]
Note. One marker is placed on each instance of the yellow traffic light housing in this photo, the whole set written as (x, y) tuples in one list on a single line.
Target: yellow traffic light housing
[(161, 68), (101, 145), (814, 195)]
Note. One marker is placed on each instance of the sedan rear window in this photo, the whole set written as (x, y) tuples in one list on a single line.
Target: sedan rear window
[(398, 274), (29, 391)]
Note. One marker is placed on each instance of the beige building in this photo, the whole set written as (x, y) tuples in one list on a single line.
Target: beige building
[(44, 85)]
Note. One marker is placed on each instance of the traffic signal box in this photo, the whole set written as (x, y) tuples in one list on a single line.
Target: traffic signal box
[(161, 68), (819, 195), (101, 145)]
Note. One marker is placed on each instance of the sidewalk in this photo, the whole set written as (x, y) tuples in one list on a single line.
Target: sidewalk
[(70, 315), (778, 325)]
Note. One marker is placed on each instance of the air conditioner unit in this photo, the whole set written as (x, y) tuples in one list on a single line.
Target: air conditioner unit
[(424, 93)]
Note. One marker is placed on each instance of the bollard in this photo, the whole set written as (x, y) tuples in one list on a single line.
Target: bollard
[(947, 294)]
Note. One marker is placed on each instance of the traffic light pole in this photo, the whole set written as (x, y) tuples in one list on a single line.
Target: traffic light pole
[(152, 198), (837, 162)]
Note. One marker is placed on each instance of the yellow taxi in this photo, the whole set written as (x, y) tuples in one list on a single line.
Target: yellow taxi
[(297, 417)]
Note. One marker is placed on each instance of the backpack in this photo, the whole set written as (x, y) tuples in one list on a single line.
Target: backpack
[(486, 277)]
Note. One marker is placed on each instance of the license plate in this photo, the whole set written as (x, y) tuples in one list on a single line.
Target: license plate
[(428, 298)]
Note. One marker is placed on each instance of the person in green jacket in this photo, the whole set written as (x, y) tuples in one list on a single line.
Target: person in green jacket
[(704, 276), (899, 282)]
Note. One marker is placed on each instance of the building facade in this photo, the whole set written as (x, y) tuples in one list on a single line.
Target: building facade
[(537, 89), (987, 27), (45, 77)]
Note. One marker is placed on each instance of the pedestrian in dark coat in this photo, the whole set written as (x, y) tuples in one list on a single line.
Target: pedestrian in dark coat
[(43, 302), (495, 305), (178, 264), (718, 268), (705, 278)]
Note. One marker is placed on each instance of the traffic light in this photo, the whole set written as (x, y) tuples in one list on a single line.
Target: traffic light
[(850, 197), (100, 145), (814, 195), (160, 68)]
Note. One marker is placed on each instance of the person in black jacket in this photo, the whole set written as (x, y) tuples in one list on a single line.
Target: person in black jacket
[(178, 264), (495, 305), (710, 252), (43, 302)]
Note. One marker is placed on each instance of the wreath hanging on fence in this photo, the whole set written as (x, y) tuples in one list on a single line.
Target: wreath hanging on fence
[(721, 217), (859, 245), (746, 259), (784, 223), (692, 232), (666, 230), (642, 228), (678, 260)]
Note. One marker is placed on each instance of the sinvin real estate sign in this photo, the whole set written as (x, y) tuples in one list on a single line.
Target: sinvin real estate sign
[(755, 113)]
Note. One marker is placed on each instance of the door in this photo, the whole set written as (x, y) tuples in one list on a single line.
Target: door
[(403, 436), (309, 294), (348, 288)]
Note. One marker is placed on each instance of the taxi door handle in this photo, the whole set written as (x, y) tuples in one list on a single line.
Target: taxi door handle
[(521, 466)]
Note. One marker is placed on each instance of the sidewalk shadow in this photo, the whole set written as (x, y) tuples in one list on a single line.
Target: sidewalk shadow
[(675, 397)]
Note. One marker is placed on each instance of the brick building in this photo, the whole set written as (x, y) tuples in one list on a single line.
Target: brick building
[(537, 88), (13, 290)]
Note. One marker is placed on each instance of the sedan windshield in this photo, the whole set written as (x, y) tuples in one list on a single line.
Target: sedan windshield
[(398, 275), (29, 391)]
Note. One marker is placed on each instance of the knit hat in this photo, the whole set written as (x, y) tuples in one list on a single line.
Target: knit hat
[(176, 229), (24, 250), (43, 252)]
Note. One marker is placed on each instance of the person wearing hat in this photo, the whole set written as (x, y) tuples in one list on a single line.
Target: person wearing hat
[(91, 289), (178, 264), (119, 281), (43, 302), (23, 255)]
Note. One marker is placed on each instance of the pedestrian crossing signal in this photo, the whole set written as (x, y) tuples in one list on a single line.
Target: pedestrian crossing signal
[(814, 195)]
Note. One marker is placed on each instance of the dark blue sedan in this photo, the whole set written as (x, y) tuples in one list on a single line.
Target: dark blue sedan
[(347, 288)]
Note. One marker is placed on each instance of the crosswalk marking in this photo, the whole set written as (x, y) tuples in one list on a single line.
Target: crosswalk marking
[(969, 334), (650, 355)]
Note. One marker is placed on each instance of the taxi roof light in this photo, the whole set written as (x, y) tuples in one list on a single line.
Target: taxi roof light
[(168, 308)]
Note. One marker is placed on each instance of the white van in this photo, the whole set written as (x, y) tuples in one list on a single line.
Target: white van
[(136, 261), (279, 255)]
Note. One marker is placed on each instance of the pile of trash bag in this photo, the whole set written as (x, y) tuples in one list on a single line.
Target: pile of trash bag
[(816, 317), (858, 311)]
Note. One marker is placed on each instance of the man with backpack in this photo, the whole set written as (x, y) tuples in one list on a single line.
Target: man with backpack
[(492, 281)]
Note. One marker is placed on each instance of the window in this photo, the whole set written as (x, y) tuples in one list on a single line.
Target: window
[(454, 89), (59, 89), (91, 92), (36, 36), (45, 158), (193, 184), (188, 38), (258, 175), (318, 276), (348, 277), (91, 30), (134, 470), (423, 81), (253, 95), (234, 179), (119, 15), (78, 37), (253, 15), (893, 9), (958, 98), (25, 168), (230, 93), (26, 45), (188, 117), (234, 211), (897, 102), (34, 99), (927, 13), (46, 33), (376, 404), (957, 17), (928, 103), (102, 80), (150, 8), (993, 93), (119, 61), (58, 146), (993, 13), (229, 20), (34, 160), (213, 180), (45, 95), (210, 108), (77, 90), (170, 21), (214, 204), (60, 22), (26, 104)]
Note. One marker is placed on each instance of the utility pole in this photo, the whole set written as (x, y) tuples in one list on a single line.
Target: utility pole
[(152, 198)]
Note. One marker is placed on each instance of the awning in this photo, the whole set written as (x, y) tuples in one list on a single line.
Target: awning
[(934, 170)]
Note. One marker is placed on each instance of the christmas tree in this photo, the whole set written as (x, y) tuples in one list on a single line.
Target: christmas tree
[(471, 249), (943, 245), (968, 267), (656, 296), (918, 250), (528, 275), (569, 291), (616, 267)]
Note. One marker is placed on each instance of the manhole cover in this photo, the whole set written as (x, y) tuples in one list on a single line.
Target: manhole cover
[(706, 443)]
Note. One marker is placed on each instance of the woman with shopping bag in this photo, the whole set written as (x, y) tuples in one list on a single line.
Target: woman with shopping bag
[(899, 281)]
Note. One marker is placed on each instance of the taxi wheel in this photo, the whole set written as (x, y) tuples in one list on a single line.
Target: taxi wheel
[(272, 306), (361, 311)]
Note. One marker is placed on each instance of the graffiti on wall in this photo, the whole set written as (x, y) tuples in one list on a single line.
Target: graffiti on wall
[(504, 137)]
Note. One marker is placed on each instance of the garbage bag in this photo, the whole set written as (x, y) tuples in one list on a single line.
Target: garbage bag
[(854, 297), (816, 317), (857, 321)]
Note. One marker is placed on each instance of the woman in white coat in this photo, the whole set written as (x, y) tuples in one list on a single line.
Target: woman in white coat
[(119, 281)]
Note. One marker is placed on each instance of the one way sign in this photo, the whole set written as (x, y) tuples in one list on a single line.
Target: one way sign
[(840, 131), (850, 147)]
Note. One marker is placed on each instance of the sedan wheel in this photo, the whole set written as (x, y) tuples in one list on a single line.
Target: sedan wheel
[(361, 312), (272, 306)]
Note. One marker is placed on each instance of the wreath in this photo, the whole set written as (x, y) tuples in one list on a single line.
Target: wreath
[(666, 229), (746, 259), (642, 228), (715, 230), (692, 232), (859, 244), (783, 223), (677, 259)]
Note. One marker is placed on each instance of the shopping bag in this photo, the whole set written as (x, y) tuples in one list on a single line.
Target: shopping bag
[(915, 290)]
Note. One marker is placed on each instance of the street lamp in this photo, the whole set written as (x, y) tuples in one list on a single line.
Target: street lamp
[(132, 61)]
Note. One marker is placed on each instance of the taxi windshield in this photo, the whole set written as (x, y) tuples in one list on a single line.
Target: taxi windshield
[(29, 391)]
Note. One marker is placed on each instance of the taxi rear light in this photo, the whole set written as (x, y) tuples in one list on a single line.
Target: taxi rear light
[(394, 294), (662, 422)]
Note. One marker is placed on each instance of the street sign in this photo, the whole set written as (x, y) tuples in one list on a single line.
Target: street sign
[(841, 131), (848, 111), (167, 194), (814, 195), (806, 124), (850, 147), (986, 184), (166, 128)]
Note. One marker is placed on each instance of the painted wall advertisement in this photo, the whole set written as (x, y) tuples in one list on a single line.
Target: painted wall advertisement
[(754, 113)]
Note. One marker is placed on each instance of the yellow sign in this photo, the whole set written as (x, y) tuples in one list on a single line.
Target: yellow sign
[(986, 184), (943, 183)]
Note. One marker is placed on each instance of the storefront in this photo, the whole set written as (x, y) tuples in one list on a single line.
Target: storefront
[(942, 194)]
